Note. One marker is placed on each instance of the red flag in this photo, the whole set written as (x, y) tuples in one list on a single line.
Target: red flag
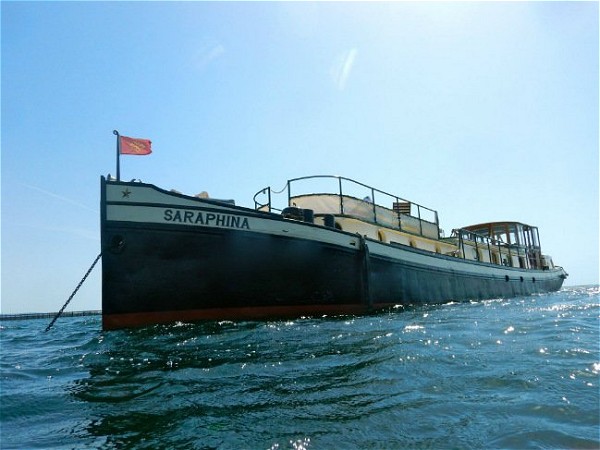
[(134, 146)]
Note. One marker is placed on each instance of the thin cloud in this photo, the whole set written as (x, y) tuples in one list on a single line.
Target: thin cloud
[(206, 54), (59, 197), (85, 233), (342, 67)]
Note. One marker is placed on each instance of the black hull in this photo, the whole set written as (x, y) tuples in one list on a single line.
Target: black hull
[(164, 272), (181, 270), (414, 284)]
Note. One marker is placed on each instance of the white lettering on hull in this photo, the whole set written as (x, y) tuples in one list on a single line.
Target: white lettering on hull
[(206, 219)]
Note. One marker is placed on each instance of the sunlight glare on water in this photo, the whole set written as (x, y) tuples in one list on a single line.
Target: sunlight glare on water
[(516, 373)]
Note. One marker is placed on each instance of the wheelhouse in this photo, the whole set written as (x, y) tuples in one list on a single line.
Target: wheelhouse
[(519, 241)]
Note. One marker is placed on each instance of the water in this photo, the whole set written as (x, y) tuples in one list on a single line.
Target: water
[(518, 373)]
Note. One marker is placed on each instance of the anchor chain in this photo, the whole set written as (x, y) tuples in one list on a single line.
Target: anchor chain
[(74, 292)]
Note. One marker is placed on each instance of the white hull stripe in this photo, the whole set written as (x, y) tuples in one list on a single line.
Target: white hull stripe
[(228, 219)]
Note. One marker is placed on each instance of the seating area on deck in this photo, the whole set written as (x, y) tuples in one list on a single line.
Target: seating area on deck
[(344, 197), (368, 211)]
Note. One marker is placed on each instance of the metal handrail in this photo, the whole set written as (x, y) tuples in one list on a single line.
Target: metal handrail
[(258, 205), (340, 192), (373, 190)]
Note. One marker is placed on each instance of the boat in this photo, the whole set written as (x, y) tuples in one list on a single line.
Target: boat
[(324, 245)]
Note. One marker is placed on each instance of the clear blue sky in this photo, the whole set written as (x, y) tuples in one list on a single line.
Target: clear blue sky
[(483, 111)]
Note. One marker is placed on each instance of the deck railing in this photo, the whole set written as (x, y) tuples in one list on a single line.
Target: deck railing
[(351, 198)]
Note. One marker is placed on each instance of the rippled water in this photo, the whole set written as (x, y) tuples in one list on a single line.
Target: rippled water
[(519, 373)]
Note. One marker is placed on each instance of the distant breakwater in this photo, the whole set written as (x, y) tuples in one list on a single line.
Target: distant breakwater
[(27, 316)]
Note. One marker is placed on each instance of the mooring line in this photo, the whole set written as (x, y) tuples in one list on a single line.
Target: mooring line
[(74, 292)]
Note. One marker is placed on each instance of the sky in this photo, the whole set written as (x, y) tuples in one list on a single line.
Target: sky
[(481, 111)]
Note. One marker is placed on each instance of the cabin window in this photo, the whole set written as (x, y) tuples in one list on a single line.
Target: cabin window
[(522, 262)]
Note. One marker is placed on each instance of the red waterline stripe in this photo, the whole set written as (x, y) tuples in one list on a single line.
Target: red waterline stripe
[(129, 320)]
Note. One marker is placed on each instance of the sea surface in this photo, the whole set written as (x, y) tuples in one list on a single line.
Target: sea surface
[(518, 373)]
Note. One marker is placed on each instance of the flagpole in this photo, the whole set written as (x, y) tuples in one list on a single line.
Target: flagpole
[(115, 132)]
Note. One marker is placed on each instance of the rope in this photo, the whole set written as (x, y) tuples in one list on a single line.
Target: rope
[(74, 292), (282, 189)]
